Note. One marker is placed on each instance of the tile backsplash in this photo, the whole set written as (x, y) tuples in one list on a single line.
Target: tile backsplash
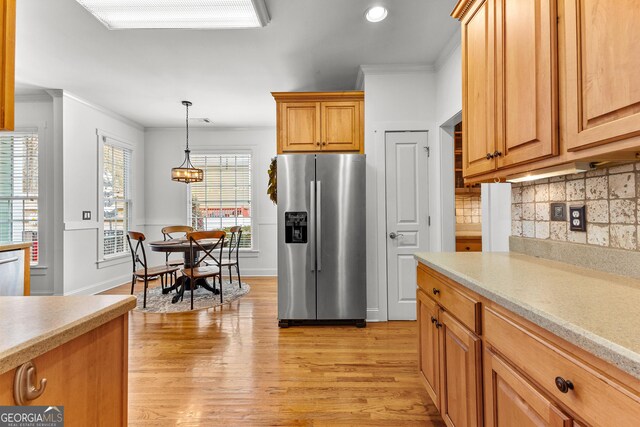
[(468, 210), (612, 200)]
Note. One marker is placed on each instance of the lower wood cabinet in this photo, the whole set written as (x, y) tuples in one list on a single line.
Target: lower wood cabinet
[(460, 373), (484, 365), (511, 400), (429, 346), (87, 375), (450, 354)]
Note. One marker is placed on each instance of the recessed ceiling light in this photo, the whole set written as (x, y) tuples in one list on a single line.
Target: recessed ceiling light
[(189, 14), (376, 13)]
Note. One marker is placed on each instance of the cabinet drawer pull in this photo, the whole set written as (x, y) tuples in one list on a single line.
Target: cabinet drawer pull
[(436, 291), (8, 260), (563, 385), (24, 384)]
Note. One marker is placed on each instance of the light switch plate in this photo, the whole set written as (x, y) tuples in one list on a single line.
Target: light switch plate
[(86, 215), (577, 218), (558, 212)]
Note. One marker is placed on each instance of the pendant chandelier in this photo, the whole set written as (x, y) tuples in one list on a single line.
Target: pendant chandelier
[(186, 172)]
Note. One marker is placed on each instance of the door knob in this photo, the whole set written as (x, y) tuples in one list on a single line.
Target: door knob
[(395, 235)]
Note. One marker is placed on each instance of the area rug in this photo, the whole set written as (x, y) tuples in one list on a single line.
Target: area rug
[(157, 302)]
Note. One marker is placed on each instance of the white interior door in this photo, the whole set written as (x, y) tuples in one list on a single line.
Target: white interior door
[(407, 218)]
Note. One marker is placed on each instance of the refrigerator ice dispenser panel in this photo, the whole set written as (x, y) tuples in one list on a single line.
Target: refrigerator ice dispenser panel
[(295, 227)]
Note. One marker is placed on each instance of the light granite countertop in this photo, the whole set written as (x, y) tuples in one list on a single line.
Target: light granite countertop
[(599, 312), (31, 326)]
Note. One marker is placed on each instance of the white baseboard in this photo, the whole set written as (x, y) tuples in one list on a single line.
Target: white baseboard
[(41, 293), (100, 287), (375, 315)]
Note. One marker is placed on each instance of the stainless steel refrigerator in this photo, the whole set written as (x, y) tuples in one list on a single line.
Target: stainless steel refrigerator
[(321, 238)]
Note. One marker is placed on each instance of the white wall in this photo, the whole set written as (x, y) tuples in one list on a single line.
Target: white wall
[(80, 122), (36, 111), (166, 201), (396, 98), (448, 114)]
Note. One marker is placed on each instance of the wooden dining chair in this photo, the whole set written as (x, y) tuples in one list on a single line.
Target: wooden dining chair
[(174, 232), (199, 269), (233, 259), (145, 272)]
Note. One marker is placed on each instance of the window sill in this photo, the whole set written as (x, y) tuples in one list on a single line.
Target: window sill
[(39, 270), (115, 260)]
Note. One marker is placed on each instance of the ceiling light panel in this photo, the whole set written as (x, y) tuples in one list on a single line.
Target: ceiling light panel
[(189, 14)]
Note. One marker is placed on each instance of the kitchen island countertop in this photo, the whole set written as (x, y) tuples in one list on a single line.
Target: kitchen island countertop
[(598, 312)]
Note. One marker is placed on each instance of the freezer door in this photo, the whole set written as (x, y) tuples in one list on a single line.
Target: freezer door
[(341, 236), (296, 259)]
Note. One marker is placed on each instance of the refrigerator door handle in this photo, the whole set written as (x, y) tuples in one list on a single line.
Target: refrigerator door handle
[(319, 224), (312, 222)]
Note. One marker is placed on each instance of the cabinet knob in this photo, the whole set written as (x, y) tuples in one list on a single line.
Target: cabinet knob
[(563, 385), (438, 325), (436, 291), (324, 143), (497, 153), (489, 156), (433, 320), (318, 143), (468, 248), (25, 382)]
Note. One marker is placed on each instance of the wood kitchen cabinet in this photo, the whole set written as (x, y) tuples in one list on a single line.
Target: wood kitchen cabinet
[(602, 84), (511, 399), (498, 369), (310, 122), (509, 103), (87, 375), (450, 352), (7, 62)]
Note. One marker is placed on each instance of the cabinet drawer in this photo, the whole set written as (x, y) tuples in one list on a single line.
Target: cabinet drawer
[(459, 304), (468, 245), (595, 398)]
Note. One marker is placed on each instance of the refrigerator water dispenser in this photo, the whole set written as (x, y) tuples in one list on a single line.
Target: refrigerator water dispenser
[(295, 227)]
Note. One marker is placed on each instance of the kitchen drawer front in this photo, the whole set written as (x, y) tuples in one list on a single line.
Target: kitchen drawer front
[(595, 398), (468, 245), (12, 273), (459, 304)]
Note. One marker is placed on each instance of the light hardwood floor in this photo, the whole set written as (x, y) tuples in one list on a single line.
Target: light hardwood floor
[(233, 366)]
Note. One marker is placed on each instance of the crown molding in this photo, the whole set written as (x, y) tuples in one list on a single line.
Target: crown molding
[(103, 110), (387, 69), (211, 129), (262, 12), (448, 49), (461, 9), (34, 97)]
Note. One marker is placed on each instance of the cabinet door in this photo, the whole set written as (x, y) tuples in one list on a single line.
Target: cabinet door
[(602, 57), (7, 62), (478, 99), (428, 345), (526, 77), (299, 126), (341, 126), (510, 400), (460, 374)]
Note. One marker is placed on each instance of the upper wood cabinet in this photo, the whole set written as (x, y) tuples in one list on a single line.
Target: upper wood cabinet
[(509, 84), (478, 112), (526, 81), (602, 56), (7, 62), (320, 121)]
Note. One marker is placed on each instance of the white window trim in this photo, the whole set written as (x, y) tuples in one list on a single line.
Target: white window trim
[(254, 252), (43, 169), (117, 141)]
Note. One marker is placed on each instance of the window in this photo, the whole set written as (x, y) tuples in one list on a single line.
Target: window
[(19, 189), (223, 199), (116, 196)]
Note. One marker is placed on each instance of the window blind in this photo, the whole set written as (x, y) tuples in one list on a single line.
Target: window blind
[(19, 189), (223, 199), (116, 174)]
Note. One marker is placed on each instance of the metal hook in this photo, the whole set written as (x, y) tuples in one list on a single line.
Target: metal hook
[(24, 388)]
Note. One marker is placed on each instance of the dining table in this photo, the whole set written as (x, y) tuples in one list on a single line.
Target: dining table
[(190, 259)]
